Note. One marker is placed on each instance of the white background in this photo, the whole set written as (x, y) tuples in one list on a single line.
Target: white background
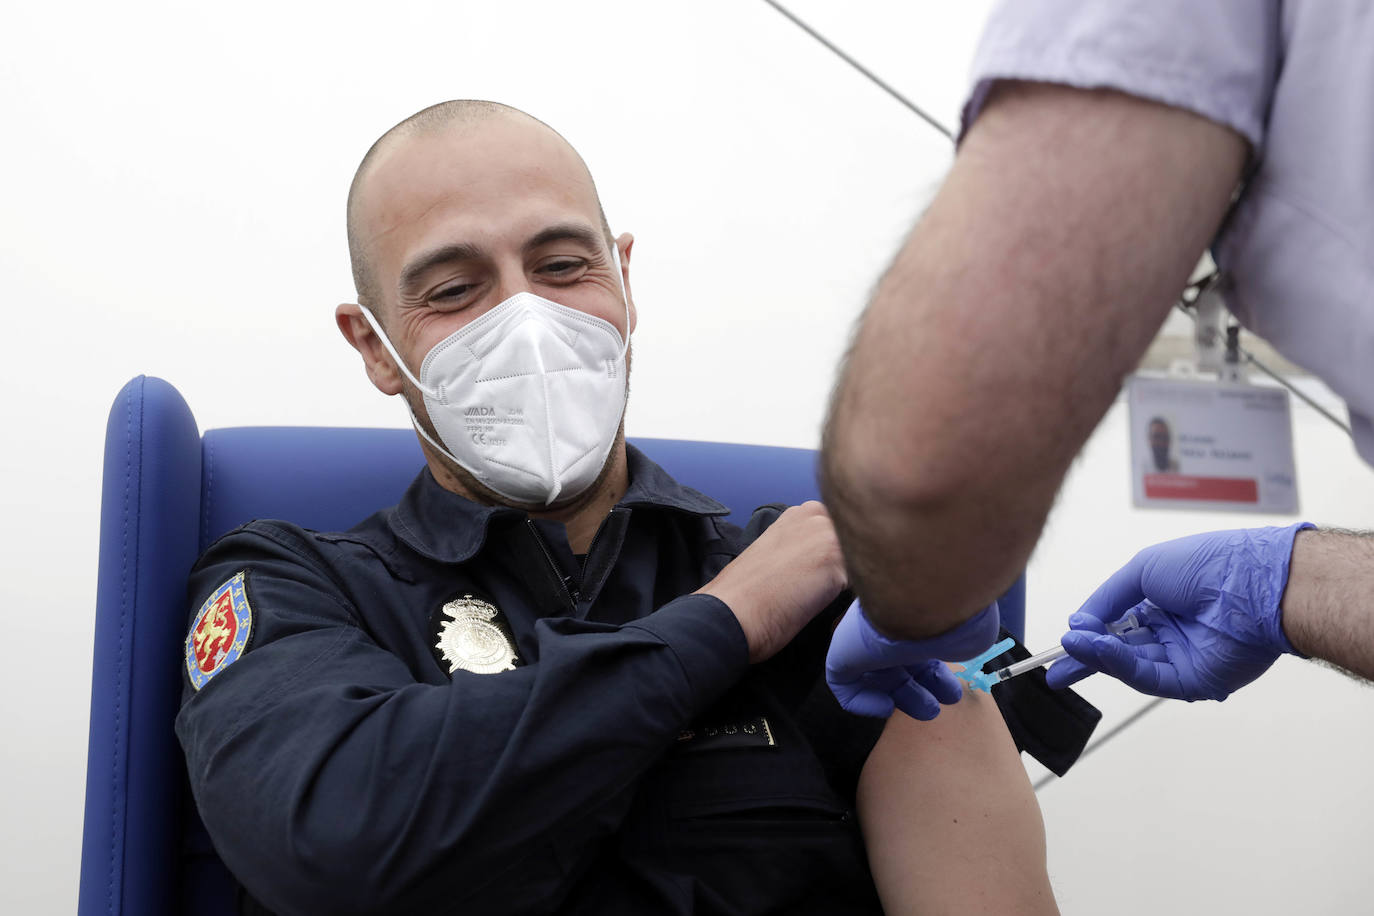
[(172, 182)]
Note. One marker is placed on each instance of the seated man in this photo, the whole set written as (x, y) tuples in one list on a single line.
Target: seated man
[(551, 679)]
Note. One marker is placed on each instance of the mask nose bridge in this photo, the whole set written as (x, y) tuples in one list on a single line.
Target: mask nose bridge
[(514, 323)]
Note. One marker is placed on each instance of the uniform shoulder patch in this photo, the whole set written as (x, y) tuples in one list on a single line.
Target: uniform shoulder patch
[(220, 632)]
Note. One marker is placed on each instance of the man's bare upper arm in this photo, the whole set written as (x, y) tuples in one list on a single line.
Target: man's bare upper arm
[(949, 818), (1001, 334)]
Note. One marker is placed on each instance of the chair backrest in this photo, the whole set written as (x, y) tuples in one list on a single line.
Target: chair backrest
[(330, 478), (167, 494)]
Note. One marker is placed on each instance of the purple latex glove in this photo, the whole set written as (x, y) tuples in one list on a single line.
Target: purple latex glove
[(870, 673), (1209, 605)]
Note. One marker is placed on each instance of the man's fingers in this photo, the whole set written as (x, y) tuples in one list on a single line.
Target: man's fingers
[(1113, 598), (917, 702), (872, 693), (1137, 667), (1080, 647), (1066, 672), (918, 692), (872, 703), (1087, 623), (1151, 652), (942, 683), (862, 700), (844, 662), (1137, 660)]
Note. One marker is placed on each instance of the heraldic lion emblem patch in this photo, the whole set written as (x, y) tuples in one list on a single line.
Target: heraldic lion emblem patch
[(220, 632)]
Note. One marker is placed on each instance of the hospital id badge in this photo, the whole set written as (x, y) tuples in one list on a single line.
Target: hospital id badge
[(1207, 445)]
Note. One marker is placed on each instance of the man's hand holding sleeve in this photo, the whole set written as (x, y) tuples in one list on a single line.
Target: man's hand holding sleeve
[(782, 580), (1210, 609), (870, 673)]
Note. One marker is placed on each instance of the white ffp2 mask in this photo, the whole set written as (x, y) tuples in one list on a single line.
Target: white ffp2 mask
[(526, 398)]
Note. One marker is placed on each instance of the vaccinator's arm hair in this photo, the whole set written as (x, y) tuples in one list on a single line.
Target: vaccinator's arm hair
[(1328, 606), (999, 336)]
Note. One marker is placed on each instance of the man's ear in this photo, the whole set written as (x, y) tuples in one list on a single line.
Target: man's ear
[(381, 369), (625, 243)]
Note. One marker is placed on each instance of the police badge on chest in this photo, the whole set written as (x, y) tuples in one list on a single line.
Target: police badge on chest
[(470, 634)]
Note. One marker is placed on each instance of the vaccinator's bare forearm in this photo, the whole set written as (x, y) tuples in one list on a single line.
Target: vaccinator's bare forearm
[(1328, 606), (1001, 333)]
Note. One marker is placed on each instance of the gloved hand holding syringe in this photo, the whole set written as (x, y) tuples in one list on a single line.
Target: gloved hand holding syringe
[(976, 679)]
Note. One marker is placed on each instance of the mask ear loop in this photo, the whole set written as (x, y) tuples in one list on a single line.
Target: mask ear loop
[(620, 279), (400, 363), (414, 420)]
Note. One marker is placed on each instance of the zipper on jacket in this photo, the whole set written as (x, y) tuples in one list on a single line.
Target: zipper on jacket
[(591, 547), (568, 593)]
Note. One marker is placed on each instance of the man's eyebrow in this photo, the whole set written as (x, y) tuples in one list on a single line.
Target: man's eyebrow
[(563, 232), (443, 255)]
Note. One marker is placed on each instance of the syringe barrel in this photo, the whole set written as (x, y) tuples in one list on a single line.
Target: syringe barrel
[(1035, 661), (1118, 627)]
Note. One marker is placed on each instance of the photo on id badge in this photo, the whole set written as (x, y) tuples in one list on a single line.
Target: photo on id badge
[(1221, 446)]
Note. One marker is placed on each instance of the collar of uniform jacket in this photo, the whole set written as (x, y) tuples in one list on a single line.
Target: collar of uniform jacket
[(444, 526)]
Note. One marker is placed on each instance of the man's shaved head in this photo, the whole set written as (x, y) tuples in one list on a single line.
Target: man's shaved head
[(455, 115)]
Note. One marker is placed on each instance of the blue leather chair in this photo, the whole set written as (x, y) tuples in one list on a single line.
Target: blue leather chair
[(169, 492)]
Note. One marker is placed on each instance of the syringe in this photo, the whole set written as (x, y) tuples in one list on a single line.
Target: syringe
[(1120, 628)]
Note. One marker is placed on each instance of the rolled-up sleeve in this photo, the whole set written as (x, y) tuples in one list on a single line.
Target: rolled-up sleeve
[(1216, 58)]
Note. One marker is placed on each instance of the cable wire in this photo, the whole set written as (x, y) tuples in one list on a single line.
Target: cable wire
[(1184, 301), (1250, 358), (916, 109), (1183, 305)]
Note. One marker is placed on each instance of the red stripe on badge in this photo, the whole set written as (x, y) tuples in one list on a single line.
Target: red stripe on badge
[(1209, 489)]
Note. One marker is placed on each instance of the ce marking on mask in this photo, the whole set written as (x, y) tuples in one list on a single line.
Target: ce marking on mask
[(483, 424)]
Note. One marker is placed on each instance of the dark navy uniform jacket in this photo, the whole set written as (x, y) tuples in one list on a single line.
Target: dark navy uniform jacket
[(632, 762)]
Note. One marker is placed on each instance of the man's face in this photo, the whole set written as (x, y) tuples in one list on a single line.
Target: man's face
[(456, 222), (1159, 443)]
